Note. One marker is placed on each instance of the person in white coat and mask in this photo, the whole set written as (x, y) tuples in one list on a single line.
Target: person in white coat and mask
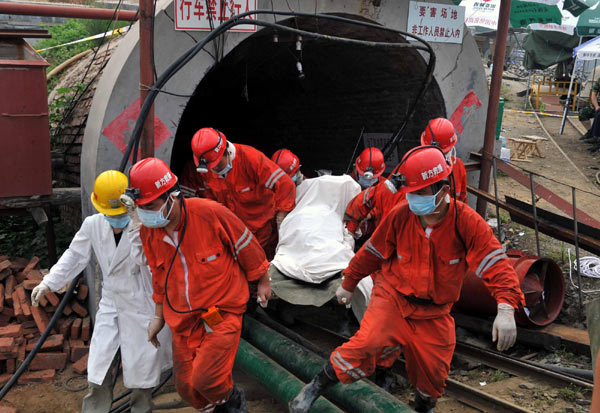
[(126, 307)]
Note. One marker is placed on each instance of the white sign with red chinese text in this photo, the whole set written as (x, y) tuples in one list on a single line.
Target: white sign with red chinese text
[(204, 15), (482, 13), (441, 23)]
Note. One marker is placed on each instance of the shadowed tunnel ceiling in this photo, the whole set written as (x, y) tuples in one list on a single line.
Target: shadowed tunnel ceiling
[(256, 96)]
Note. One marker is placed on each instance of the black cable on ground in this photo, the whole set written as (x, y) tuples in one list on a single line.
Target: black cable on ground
[(241, 19), (61, 306), (124, 406)]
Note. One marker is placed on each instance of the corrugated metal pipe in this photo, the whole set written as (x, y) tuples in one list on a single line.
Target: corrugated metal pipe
[(358, 397), (278, 381)]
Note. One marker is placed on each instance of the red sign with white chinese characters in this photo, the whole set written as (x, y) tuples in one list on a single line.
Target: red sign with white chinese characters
[(441, 23), (205, 15)]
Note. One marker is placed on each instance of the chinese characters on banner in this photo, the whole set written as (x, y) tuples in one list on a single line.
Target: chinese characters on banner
[(204, 15), (482, 13), (433, 22)]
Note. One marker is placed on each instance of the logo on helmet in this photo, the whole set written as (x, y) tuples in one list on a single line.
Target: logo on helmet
[(219, 145), (432, 172), (164, 180), (293, 165)]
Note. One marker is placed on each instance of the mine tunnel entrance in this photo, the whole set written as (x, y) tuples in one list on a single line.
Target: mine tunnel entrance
[(257, 96)]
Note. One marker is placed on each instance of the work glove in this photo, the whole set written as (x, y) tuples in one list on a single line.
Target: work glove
[(38, 292), (504, 329), (343, 296), (263, 290), (154, 328)]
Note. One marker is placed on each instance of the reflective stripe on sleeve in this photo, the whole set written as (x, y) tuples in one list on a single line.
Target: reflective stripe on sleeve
[(366, 196), (369, 247), (244, 245), (489, 260), (275, 176)]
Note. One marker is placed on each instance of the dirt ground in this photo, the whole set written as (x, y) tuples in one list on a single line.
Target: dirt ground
[(56, 397)]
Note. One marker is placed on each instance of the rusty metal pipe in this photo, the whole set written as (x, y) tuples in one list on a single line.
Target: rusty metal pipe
[(541, 281), (492, 112), (66, 11), (146, 75)]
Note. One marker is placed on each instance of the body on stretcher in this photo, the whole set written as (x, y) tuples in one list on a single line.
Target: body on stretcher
[(314, 246)]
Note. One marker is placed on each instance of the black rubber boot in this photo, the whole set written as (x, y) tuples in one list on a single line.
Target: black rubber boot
[(235, 404), (424, 404), (587, 135), (311, 392), (384, 378)]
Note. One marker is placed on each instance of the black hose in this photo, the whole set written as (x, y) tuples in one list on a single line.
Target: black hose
[(61, 306), (240, 19), (124, 406)]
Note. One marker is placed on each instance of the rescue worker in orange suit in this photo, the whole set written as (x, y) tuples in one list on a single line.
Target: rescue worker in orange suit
[(244, 180), (368, 167), (368, 170), (440, 132), (289, 163), (383, 198), (202, 257), (423, 249)]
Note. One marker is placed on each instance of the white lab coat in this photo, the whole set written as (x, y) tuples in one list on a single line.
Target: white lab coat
[(126, 307)]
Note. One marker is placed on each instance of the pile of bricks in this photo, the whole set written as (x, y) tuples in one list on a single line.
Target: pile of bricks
[(21, 324)]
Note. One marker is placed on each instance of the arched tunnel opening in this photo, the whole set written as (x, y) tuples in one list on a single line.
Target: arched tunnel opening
[(347, 97)]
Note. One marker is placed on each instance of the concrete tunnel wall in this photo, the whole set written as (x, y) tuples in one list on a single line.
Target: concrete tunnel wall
[(458, 70)]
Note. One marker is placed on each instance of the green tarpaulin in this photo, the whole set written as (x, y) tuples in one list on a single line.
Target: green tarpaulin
[(545, 48)]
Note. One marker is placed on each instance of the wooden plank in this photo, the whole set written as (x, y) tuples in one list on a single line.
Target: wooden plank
[(60, 196)]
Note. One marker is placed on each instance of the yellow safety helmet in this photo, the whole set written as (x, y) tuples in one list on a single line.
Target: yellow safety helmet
[(108, 188)]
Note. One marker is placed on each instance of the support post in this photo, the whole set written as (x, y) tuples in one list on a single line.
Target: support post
[(566, 110), (498, 227), (492, 112), (533, 206), (576, 232), (146, 75)]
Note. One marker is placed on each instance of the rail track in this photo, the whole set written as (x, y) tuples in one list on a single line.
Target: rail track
[(468, 395)]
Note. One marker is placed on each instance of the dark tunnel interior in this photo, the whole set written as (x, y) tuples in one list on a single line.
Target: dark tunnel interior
[(257, 96)]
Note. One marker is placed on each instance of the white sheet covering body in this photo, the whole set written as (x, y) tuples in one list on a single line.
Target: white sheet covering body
[(313, 243)]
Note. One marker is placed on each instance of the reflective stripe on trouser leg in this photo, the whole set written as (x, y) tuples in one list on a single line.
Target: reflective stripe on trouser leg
[(429, 353), (377, 336), (389, 355)]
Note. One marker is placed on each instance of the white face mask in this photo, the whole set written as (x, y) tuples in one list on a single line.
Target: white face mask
[(451, 156), (156, 219)]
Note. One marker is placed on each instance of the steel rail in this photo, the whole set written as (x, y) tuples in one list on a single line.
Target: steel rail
[(476, 398), (518, 367)]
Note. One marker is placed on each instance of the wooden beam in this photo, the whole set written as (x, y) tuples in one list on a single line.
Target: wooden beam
[(60, 196)]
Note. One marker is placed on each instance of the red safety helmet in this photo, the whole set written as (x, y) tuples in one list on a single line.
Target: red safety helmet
[(208, 145), (370, 161), (287, 161), (149, 179), (439, 132), (423, 166)]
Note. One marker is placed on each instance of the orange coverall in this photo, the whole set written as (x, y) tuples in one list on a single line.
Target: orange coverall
[(215, 261), (460, 178), (428, 264), (254, 189), (378, 201)]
